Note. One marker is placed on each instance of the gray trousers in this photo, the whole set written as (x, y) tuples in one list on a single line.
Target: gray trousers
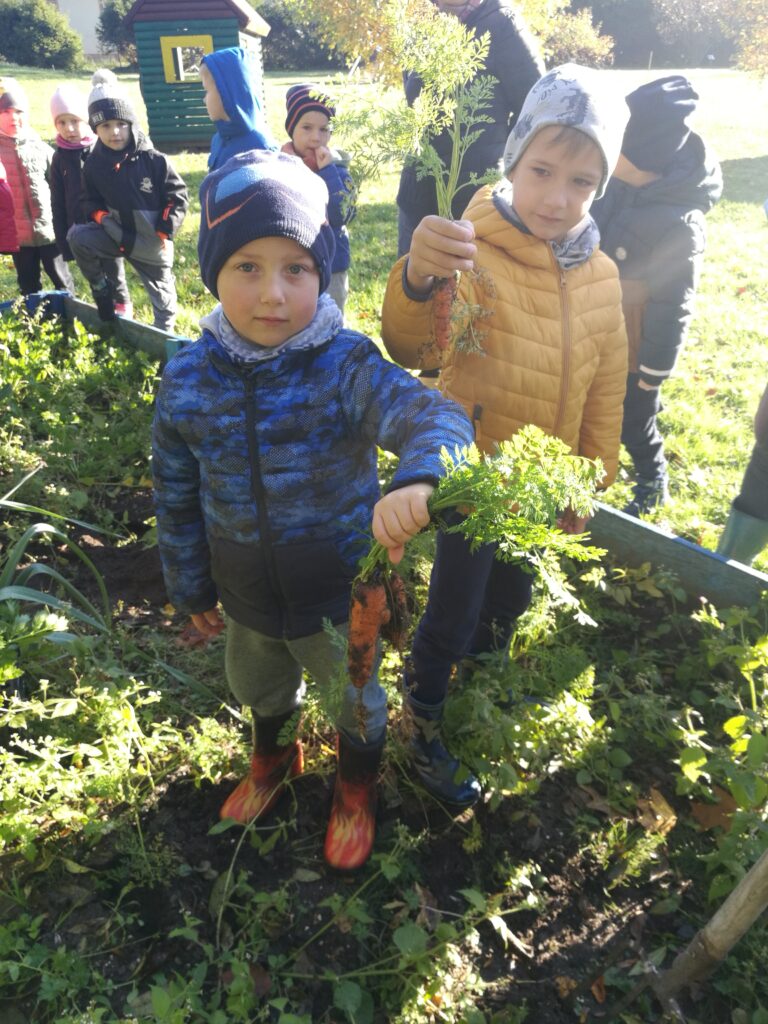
[(266, 674), (93, 249), (338, 289)]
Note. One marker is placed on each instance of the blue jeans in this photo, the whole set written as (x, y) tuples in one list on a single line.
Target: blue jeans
[(474, 601)]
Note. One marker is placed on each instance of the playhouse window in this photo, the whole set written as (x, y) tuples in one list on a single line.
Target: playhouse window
[(182, 56)]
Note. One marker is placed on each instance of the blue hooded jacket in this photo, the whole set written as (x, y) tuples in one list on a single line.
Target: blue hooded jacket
[(233, 72)]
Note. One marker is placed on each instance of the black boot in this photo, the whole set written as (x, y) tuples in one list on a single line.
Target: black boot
[(102, 296), (440, 772)]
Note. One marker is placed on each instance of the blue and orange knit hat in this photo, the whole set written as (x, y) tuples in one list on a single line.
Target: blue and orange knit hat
[(301, 99), (261, 194)]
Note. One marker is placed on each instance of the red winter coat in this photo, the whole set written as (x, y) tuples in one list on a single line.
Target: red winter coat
[(9, 239)]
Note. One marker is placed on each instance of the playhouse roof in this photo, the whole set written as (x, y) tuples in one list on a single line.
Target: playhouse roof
[(249, 21)]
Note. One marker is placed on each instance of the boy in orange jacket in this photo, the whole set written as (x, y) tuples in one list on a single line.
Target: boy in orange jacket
[(554, 353)]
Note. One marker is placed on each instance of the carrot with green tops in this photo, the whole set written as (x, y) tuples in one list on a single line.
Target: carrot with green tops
[(443, 298), (395, 629), (368, 612)]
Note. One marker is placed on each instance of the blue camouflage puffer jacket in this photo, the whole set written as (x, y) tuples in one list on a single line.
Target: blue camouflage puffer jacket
[(266, 475)]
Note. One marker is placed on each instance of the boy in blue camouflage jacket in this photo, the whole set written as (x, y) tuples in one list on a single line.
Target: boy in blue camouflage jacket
[(264, 460)]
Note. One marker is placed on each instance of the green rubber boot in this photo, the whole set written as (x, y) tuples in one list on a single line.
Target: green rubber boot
[(743, 538)]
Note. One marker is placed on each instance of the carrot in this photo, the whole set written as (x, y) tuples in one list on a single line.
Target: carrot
[(368, 612), (394, 631), (443, 298)]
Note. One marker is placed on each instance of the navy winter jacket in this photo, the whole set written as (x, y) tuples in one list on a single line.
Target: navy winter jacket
[(67, 193), (656, 235), (142, 194), (266, 474), (514, 62), (341, 206)]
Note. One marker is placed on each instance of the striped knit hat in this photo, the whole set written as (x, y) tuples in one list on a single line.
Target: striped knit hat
[(261, 194), (301, 99)]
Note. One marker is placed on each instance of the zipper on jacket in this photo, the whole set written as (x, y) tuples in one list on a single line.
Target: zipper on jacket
[(566, 353), (258, 495)]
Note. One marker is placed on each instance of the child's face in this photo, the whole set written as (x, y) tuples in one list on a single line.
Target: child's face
[(268, 290), (70, 127), (553, 186), (213, 101), (312, 132), (12, 121), (114, 134)]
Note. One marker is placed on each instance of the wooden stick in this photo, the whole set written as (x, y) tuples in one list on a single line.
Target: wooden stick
[(714, 941)]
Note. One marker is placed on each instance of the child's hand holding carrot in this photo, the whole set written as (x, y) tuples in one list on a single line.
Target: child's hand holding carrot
[(400, 515), (208, 623), (438, 248)]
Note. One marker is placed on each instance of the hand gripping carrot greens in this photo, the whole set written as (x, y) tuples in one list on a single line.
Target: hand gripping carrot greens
[(512, 499)]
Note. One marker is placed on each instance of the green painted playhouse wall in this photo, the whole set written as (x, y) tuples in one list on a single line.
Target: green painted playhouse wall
[(175, 110)]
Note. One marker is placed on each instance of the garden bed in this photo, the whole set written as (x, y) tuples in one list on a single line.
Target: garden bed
[(623, 797)]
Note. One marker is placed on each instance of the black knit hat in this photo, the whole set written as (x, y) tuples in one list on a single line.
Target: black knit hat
[(657, 131), (261, 194), (107, 101), (301, 99)]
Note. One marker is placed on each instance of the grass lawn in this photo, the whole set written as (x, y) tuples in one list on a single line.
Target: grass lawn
[(709, 403)]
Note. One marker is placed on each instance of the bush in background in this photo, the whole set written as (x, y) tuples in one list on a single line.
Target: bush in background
[(574, 37), (35, 33), (292, 45)]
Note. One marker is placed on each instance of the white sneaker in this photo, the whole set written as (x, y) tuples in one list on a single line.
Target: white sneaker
[(124, 309)]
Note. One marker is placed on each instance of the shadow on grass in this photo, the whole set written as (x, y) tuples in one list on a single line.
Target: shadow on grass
[(746, 181)]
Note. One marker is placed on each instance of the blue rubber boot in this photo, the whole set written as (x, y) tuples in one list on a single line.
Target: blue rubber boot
[(441, 774)]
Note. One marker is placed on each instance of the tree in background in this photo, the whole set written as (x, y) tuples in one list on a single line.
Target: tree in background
[(291, 44), (753, 37), (34, 32), (353, 30), (112, 32)]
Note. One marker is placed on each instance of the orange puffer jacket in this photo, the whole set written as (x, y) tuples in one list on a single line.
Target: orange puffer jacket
[(555, 345)]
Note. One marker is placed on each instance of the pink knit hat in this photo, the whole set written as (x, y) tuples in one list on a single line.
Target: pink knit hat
[(69, 100)]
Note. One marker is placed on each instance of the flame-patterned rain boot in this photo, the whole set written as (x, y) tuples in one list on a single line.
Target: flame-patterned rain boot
[(352, 825), (272, 766)]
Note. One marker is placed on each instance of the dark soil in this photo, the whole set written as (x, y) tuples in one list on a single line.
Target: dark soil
[(561, 949)]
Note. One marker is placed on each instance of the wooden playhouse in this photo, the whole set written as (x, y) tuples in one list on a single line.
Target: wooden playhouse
[(171, 38)]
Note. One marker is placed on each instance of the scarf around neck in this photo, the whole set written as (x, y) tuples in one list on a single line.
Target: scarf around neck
[(84, 143), (572, 250), (326, 324)]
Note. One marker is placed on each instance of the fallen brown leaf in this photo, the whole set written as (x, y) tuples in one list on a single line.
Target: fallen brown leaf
[(717, 815)]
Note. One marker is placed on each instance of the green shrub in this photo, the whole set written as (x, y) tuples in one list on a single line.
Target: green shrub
[(573, 37), (290, 45), (35, 33)]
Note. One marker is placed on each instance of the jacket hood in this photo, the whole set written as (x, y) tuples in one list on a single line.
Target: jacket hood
[(231, 73), (695, 181)]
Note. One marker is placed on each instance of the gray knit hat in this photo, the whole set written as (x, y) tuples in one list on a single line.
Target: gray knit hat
[(107, 101), (576, 97), (12, 95)]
